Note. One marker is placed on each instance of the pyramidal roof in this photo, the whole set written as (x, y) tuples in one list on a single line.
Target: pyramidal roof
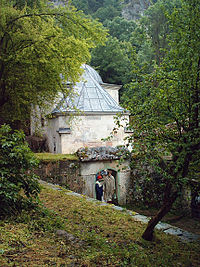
[(89, 96)]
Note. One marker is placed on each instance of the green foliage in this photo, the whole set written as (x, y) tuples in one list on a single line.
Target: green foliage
[(29, 3), (88, 6), (18, 185), (110, 9), (154, 26), (37, 45), (147, 185), (150, 40), (166, 117), (101, 9), (138, 89), (120, 28), (113, 61), (81, 5), (148, 36)]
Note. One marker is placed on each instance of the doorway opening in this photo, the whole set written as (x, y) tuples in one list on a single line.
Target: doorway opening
[(115, 196)]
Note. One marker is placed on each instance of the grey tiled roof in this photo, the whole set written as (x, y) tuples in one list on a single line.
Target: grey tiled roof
[(89, 71), (89, 96)]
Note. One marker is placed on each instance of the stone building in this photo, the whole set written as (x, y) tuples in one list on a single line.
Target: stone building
[(79, 174), (86, 117), (83, 122)]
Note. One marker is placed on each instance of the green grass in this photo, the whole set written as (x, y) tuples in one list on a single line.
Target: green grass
[(107, 238), (55, 157)]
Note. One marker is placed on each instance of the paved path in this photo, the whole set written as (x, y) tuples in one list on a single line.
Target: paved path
[(184, 236)]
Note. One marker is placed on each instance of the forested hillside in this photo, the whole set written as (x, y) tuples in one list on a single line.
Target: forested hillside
[(138, 30)]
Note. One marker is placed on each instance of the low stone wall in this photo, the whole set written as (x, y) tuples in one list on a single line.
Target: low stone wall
[(63, 172), (80, 175)]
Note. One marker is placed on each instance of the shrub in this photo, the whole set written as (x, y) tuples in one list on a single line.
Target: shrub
[(19, 186)]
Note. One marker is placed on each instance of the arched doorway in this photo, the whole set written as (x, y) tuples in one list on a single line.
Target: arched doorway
[(195, 205), (114, 174)]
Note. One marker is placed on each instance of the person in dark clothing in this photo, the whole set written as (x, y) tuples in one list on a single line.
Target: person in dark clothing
[(99, 187)]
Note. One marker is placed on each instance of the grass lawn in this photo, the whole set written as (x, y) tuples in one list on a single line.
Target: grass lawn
[(104, 237)]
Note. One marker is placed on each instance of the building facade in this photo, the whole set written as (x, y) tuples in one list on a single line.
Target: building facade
[(87, 117)]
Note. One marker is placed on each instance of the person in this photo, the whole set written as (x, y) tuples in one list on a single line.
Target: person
[(109, 187), (99, 187)]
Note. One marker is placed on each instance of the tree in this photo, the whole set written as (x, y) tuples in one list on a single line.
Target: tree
[(29, 3), (82, 5), (37, 45), (167, 119), (150, 35), (113, 61), (120, 28), (101, 9), (110, 9), (150, 43), (18, 184)]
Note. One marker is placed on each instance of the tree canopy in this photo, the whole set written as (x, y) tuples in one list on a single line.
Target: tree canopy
[(113, 61), (101, 9), (38, 43), (166, 118), (120, 28)]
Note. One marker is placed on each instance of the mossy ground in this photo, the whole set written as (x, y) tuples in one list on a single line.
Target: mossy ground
[(108, 237), (55, 157)]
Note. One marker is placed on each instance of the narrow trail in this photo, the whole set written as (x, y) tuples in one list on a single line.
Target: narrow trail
[(183, 235)]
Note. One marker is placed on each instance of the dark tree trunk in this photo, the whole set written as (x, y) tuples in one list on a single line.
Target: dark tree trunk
[(148, 233)]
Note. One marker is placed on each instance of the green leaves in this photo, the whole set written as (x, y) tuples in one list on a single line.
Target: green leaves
[(113, 60), (165, 103), (18, 184), (37, 45)]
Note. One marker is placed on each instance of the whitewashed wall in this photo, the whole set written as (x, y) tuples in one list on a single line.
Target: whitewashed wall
[(113, 90), (88, 171), (86, 131)]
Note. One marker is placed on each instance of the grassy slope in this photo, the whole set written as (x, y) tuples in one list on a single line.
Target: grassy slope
[(108, 238)]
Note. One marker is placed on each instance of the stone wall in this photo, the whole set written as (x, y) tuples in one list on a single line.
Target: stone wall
[(65, 173), (80, 175), (89, 170)]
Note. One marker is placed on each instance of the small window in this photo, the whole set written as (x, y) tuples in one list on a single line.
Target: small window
[(42, 121), (64, 130)]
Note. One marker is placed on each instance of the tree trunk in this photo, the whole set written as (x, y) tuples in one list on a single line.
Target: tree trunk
[(148, 233)]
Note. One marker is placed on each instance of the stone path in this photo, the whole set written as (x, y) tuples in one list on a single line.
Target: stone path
[(184, 236)]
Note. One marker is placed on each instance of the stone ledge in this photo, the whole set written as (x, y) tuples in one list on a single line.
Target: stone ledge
[(102, 153)]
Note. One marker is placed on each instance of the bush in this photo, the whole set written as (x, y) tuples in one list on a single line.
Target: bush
[(19, 186)]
